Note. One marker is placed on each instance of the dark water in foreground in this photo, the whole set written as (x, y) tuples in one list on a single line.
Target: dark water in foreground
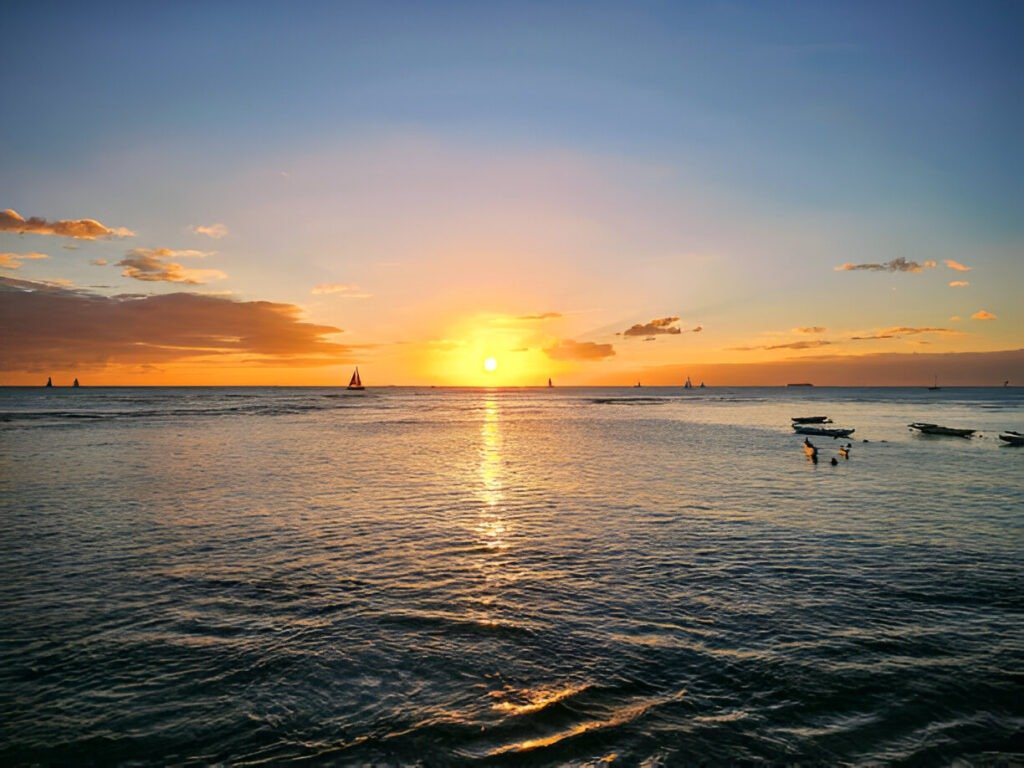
[(566, 577)]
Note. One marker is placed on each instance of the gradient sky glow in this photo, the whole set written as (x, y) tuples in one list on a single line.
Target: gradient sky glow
[(415, 187)]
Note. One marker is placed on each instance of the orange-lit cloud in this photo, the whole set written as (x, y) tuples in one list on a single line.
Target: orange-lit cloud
[(958, 283), (49, 327), (899, 264), (659, 326), (981, 314), (567, 349), (80, 229), (153, 265), (345, 290), (956, 265), (99, 262), (810, 329), (216, 231), (14, 260)]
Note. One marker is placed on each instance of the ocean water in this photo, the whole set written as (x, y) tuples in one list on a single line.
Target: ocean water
[(508, 577)]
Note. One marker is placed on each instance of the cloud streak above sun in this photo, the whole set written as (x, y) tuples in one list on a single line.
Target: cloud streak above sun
[(345, 290), (567, 349), (154, 265), (79, 229), (53, 327)]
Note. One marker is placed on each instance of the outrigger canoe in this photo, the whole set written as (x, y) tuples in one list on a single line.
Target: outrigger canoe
[(833, 432), (935, 429), (812, 420), (1013, 438)]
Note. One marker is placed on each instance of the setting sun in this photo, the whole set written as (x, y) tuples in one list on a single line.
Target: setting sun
[(490, 364)]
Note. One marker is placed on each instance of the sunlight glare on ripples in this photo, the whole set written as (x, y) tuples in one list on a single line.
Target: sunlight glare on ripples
[(492, 527)]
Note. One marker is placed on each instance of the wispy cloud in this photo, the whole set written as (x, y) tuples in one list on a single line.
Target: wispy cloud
[(981, 314), (154, 265), (957, 266), (541, 316), (50, 326), (897, 332), (99, 262), (567, 349), (216, 231), (808, 344), (657, 327), (899, 264), (345, 290), (14, 260), (80, 229), (958, 283), (810, 329)]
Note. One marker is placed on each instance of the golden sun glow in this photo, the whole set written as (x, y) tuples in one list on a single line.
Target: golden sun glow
[(490, 364)]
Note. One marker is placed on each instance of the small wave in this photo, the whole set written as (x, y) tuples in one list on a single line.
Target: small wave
[(620, 716), (524, 701), (447, 622)]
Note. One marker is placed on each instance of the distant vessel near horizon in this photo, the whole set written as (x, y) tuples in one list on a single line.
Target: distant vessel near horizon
[(935, 386), (550, 385), (688, 384), (49, 381), (355, 382), (75, 384), (801, 384)]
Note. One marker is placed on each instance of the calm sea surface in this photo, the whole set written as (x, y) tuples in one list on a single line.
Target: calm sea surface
[(508, 577)]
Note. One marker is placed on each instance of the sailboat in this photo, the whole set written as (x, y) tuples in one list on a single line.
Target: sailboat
[(49, 381), (355, 382), (75, 384), (688, 384), (935, 386), (550, 385)]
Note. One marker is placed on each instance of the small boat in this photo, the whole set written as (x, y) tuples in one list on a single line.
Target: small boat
[(935, 386), (355, 382), (810, 450), (550, 385), (935, 429), (49, 381), (75, 384), (688, 384), (801, 384), (812, 420), (635, 386), (702, 386), (833, 432), (1013, 438)]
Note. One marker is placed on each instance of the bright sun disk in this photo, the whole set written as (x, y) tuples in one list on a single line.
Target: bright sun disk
[(490, 364)]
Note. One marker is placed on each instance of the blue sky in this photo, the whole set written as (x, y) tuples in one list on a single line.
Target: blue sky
[(777, 139)]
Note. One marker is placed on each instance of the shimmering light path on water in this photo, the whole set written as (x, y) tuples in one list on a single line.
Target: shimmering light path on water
[(509, 577)]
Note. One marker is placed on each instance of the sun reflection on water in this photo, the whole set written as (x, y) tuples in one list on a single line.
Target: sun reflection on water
[(492, 526)]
